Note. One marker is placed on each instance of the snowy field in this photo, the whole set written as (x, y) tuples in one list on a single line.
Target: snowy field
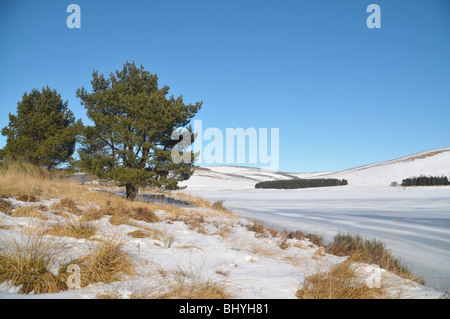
[(190, 247), (413, 222)]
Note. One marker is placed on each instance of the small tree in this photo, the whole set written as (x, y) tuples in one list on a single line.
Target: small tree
[(130, 142), (44, 130)]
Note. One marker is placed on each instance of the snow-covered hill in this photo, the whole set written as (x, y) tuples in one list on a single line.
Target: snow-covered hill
[(433, 162), (413, 222)]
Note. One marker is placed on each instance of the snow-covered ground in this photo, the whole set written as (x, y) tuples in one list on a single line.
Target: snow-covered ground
[(222, 249), (413, 222), (219, 250)]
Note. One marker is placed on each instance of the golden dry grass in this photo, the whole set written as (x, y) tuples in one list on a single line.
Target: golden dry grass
[(340, 282), (139, 234), (5, 206), (26, 262), (73, 228), (107, 262), (369, 251), (28, 211), (197, 290)]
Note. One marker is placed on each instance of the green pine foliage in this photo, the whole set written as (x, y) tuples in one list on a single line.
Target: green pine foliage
[(43, 132), (130, 142), (301, 183), (426, 181)]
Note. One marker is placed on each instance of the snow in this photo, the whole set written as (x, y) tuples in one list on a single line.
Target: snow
[(413, 222), (193, 255)]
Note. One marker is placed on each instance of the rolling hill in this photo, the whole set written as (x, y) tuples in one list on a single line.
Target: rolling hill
[(431, 163)]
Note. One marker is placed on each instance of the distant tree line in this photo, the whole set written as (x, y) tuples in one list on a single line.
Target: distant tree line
[(425, 181), (301, 183)]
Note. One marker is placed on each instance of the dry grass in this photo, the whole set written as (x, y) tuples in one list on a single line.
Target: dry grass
[(218, 205), (370, 252), (163, 235), (24, 181), (27, 263), (144, 214), (139, 290), (340, 282), (260, 230), (121, 216), (73, 228), (122, 213), (316, 239), (5, 206), (91, 214), (68, 205), (197, 290), (28, 211), (190, 283), (106, 263), (424, 155), (139, 234)]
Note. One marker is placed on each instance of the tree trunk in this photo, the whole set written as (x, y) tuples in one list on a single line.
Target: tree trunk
[(131, 191)]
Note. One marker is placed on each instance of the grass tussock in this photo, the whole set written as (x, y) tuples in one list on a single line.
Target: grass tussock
[(107, 263), (139, 234), (27, 263), (73, 228), (28, 211), (144, 214), (316, 239), (91, 214), (260, 230), (123, 214), (68, 205), (191, 284), (163, 235), (5, 206), (197, 290), (218, 205), (369, 251), (340, 282)]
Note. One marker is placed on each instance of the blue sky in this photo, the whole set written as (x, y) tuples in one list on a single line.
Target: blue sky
[(342, 94)]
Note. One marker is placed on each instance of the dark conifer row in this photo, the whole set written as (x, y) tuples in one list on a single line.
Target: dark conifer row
[(425, 181), (301, 183)]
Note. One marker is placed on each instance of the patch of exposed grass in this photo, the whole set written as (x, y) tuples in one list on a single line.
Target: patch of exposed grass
[(218, 205), (139, 234), (66, 204), (369, 251), (316, 239), (5, 206), (198, 290), (28, 211), (144, 214), (260, 230), (191, 284), (340, 282), (73, 228), (163, 235), (91, 214), (26, 263), (107, 263)]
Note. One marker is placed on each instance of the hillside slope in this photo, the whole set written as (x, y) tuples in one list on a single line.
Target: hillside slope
[(433, 162)]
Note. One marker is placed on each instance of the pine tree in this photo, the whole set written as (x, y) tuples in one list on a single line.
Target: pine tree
[(44, 130), (130, 142)]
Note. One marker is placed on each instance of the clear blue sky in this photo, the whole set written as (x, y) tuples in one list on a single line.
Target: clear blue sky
[(342, 94)]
